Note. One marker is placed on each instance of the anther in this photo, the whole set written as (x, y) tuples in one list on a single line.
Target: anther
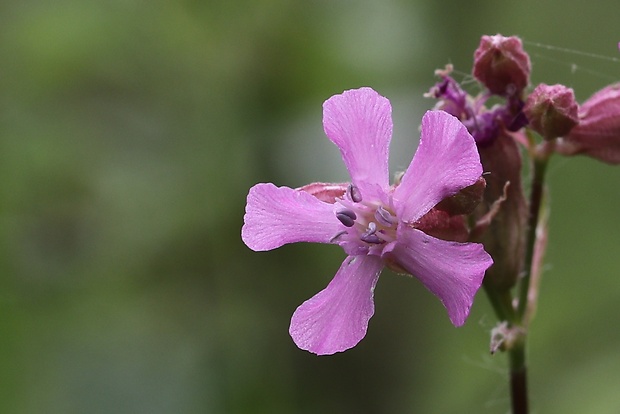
[(346, 217), (384, 217), (369, 236), (354, 193)]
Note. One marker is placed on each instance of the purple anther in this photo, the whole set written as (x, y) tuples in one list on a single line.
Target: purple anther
[(384, 217), (346, 217), (370, 235), (371, 238), (354, 193)]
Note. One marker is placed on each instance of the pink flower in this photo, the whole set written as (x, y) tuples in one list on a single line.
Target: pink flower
[(373, 222)]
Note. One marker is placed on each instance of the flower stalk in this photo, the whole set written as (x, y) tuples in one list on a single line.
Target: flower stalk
[(518, 378), (525, 305), (540, 159)]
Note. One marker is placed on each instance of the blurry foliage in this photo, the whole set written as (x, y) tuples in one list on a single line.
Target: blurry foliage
[(130, 132)]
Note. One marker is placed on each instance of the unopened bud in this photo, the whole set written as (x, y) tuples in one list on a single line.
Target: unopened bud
[(504, 204), (551, 110), (598, 132), (501, 64)]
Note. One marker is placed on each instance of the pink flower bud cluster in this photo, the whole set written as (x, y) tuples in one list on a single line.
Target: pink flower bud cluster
[(502, 67)]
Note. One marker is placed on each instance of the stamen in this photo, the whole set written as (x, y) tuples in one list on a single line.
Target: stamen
[(346, 217), (384, 217), (354, 193), (370, 236)]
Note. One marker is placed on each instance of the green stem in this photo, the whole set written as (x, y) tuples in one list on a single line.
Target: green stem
[(518, 368), (518, 378), (536, 197)]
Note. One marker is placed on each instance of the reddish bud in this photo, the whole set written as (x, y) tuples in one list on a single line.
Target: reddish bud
[(598, 132), (501, 64), (551, 110), (465, 201), (442, 225), (505, 206), (327, 192)]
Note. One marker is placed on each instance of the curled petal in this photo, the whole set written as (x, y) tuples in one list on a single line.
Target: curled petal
[(445, 162), (336, 318), (275, 216), (359, 122), (327, 192), (598, 132), (452, 271)]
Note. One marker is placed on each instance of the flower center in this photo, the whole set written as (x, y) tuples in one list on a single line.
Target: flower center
[(369, 225)]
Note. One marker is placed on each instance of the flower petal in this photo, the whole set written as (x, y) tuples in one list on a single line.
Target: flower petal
[(359, 122), (598, 132), (445, 162), (275, 216), (326, 192), (452, 271), (336, 318)]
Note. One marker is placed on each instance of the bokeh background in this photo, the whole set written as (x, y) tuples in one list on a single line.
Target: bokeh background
[(130, 132)]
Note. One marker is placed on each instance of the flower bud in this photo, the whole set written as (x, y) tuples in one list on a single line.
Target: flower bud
[(551, 110), (501, 64), (447, 220), (442, 225), (504, 200), (598, 132)]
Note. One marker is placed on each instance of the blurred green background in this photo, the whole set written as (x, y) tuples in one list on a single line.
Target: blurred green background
[(130, 132)]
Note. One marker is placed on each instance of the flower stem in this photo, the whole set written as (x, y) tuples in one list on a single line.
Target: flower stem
[(518, 379), (518, 367), (540, 161)]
